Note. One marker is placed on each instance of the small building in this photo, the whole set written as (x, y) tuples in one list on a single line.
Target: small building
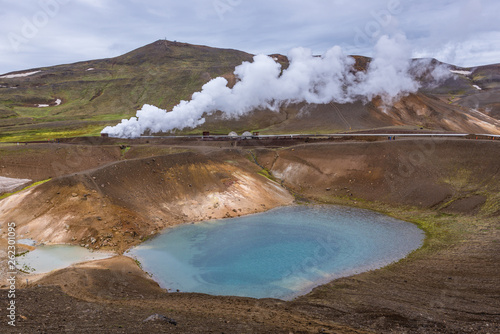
[(105, 135), (232, 134)]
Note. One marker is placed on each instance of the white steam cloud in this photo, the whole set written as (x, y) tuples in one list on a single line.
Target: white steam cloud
[(263, 85)]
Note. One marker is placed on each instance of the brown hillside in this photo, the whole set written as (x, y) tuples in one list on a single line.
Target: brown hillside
[(449, 187), (125, 202)]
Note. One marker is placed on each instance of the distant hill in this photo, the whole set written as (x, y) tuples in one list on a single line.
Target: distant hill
[(469, 101), (82, 98), (96, 93)]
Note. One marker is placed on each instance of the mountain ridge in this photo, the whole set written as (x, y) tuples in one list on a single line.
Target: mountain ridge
[(82, 98)]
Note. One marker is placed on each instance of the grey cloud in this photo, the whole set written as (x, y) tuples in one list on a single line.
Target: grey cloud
[(90, 29)]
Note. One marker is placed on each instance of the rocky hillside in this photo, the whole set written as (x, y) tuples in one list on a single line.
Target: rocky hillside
[(125, 202)]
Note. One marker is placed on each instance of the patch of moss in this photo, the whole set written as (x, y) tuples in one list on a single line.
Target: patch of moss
[(441, 229), (139, 264), (124, 150), (460, 180), (492, 205), (264, 172), (30, 186), (49, 134), (21, 254)]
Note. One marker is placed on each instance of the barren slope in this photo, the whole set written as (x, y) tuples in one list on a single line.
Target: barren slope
[(449, 187), (429, 173), (123, 203)]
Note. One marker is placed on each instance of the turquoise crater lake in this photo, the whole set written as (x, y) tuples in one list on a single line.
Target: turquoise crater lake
[(281, 253)]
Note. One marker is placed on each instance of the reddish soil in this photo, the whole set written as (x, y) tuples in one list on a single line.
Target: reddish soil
[(43, 161), (449, 186), (123, 203)]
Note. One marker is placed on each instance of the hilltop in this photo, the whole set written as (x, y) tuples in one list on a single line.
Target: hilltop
[(82, 98), (96, 93)]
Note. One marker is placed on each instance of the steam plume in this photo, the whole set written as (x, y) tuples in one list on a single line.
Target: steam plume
[(263, 85)]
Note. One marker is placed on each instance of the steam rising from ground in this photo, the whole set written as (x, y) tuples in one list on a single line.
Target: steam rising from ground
[(263, 85)]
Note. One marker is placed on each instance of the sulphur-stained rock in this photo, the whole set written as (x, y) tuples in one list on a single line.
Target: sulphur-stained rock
[(129, 195)]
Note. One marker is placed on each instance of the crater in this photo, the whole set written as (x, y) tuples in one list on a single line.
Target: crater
[(281, 253)]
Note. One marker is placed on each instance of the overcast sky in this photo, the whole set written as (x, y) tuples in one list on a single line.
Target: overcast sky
[(39, 33)]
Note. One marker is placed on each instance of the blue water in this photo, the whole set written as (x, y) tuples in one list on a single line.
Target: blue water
[(279, 254), (47, 258)]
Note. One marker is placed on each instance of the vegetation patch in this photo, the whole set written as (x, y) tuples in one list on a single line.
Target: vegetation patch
[(264, 172), (139, 264), (30, 186), (45, 134), (441, 229)]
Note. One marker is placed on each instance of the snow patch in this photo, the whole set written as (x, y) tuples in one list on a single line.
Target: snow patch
[(57, 103), (8, 184), (27, 242), (90, 69), (19, 75), (461, 72), (477, 87)]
